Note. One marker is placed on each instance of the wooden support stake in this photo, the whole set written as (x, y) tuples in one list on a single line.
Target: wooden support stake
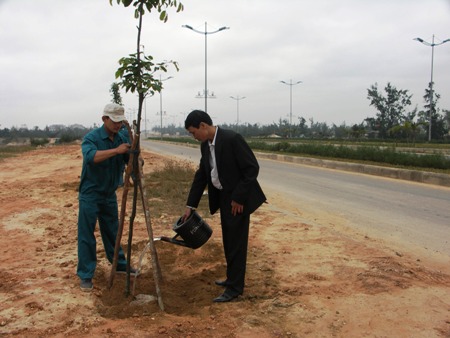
[(126, 186), (138, 171), (155, 262)]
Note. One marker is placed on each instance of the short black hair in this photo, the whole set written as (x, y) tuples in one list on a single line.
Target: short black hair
[(196, 117)]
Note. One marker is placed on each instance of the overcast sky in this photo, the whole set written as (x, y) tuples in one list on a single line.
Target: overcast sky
[(58, 58)]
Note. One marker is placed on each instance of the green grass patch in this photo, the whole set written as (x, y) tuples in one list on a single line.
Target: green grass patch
[(377, 155)]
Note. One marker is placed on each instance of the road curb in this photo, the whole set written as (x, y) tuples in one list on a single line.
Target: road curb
[(402, 174)]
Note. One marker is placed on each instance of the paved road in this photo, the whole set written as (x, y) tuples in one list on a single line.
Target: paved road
[(411, 212)]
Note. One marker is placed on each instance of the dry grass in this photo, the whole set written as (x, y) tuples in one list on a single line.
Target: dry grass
[(10, 151), (167, 189)]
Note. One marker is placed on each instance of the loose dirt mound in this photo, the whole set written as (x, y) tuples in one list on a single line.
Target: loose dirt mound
[(303, 278)]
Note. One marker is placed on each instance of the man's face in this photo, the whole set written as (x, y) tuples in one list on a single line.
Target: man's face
[(200, 133), (111, 126)]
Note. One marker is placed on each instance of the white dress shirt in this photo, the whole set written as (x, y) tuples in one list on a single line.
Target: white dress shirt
[(212, 161)]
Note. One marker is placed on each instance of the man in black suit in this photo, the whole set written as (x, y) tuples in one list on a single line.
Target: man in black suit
[(229, 169)]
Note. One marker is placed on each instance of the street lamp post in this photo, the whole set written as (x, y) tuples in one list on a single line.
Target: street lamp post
[(237, 98), (131, 113), (145, 117), (206, 56), (145, 102), (290, 84), (160, 102), (432, 44)]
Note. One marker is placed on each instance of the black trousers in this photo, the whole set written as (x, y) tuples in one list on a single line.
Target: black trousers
[(235, 231)]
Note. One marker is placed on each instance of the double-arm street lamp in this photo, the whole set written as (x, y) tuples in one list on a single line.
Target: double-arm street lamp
[(160, 103), (432, 45), (290, 84), (206, 56), (237, 98)]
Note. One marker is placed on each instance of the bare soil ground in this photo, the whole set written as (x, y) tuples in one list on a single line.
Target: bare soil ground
[(304, 279)]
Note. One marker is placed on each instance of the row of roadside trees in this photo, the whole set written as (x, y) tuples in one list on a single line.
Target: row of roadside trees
[(395, 120)]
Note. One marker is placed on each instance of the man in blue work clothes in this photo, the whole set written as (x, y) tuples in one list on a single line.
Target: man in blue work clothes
[(105, 150)]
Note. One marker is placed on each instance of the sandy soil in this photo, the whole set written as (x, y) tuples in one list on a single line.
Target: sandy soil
[(305, 278)]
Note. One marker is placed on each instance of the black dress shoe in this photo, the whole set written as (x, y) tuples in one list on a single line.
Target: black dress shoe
[(221, 282), (225, 297)]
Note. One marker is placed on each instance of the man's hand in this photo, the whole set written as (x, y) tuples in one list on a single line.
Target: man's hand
[(102, 155), (123, 148), (236, 208), (187, 213)]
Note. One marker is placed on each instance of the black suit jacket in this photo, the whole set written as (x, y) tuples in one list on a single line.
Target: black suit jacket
[(238, 171)]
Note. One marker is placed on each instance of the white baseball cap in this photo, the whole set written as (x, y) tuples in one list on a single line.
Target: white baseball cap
[(115, 112)]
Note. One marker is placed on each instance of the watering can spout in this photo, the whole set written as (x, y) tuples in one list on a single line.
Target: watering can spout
[(172, 240), (194, 232)]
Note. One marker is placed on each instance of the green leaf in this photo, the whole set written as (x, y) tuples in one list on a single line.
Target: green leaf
[(162, 16)]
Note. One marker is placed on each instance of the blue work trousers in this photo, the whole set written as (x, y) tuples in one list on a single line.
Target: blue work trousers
[(106, 212)]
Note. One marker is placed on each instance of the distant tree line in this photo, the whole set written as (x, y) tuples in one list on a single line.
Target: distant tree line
[(395, 121), (37, 136)]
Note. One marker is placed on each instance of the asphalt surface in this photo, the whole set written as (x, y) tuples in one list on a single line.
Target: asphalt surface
[(396, 209)]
